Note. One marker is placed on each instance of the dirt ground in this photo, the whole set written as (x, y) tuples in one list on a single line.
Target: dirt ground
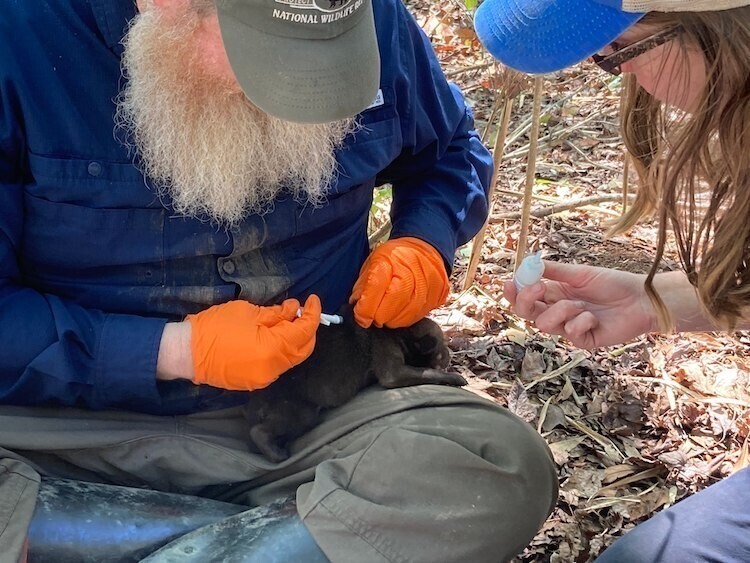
[(633, 428)]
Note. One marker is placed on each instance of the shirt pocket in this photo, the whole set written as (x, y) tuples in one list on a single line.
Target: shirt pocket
[(91, 222), (375, 143)]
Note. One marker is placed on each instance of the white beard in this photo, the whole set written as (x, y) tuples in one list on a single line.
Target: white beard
[(202, 142)]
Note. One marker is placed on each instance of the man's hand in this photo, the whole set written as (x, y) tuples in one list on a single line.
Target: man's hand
[(241, 346), (399, 283)]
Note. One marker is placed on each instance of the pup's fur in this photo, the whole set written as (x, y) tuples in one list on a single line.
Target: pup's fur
[(346, 359)]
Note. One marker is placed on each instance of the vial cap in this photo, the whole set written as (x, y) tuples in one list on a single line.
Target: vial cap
[(530, 271)]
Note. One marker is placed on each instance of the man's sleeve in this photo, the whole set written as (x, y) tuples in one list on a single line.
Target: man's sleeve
[(441, 179), (52, 351)]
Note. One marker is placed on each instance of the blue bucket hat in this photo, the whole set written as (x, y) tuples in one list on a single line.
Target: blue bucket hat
[(538, 36)]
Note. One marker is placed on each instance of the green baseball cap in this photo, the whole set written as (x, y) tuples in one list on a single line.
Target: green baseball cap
[(309, 61)]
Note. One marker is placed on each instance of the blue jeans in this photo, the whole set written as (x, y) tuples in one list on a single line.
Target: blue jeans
[(710, 526)]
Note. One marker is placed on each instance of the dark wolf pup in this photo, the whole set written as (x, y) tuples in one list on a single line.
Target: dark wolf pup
[(346, 359)]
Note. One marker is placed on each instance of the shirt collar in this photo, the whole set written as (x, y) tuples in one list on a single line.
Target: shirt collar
[(113, 17)]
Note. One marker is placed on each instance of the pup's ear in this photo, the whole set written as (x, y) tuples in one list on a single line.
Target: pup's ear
[(426, 344), (435, 351)]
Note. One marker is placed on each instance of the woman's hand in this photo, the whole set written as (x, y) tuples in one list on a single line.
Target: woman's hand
[(589, 306)]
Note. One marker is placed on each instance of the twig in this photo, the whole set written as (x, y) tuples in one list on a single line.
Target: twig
[(578, 401), (670, 392), (543, 415), (587, 159), (497, 106), (647, 474), (497, 157), (381, 232), (556, 372), (606, 443), (691, 395), (524, 126), (456, 72), (620, 351), (548, 199), (530, 170), (540, 212), (605, 502), (552, 136)]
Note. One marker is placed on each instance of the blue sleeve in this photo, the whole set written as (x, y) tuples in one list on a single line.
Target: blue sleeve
[(52, 351), (442, 177)]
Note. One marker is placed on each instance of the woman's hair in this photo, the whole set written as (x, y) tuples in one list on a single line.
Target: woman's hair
[(694, 169)]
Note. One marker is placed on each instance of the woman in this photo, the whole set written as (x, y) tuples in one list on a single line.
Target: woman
[(686, 122)]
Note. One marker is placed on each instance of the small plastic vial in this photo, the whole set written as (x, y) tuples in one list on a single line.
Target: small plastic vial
[(326, 319), (530, 271)]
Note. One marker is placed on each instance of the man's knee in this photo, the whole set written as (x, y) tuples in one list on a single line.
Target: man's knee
[(494, 462), (467, 481)]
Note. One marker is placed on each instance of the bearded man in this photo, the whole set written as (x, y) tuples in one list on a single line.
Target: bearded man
[(176, 177)]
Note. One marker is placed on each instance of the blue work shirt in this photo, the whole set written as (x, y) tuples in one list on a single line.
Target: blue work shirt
[(93, 263)]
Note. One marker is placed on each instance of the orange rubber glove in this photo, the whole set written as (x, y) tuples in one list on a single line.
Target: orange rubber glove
[(241, 346), (401, 281)]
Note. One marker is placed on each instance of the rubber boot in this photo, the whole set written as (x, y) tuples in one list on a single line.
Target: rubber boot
[(266, 534), (81, 522)]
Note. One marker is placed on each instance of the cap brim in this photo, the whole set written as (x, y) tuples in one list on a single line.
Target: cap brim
[(538, 36), (305, 80)]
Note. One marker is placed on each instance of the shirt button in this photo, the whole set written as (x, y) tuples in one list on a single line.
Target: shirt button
[(228, 267), (95, 168)]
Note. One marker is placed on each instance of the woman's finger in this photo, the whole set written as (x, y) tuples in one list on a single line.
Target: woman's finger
[(554, 319), (529, 302), (581, 330)]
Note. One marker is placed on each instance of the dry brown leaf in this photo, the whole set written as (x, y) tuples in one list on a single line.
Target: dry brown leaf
[(674, 459), (466, 34), (453, 320), (743, 424), (561, 451), (744, 459), (555, 417), (644, 504), (516, 336), (691, 374), (726, 380), (533, 365), (619, 471), (567, 391), (584, 482), (518, 402)]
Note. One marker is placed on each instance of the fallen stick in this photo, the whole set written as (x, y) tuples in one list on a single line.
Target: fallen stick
[(497, 157), (557, 207), (530, 171)]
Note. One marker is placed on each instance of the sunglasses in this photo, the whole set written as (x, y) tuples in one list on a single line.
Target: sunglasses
[(612, 62)]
